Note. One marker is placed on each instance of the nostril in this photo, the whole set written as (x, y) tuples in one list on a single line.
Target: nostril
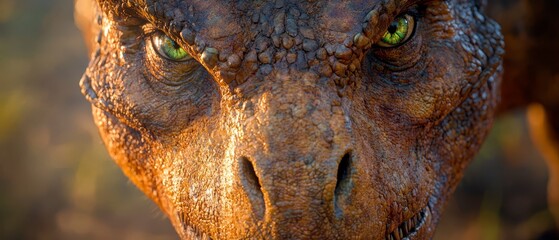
[(343, 181), (249, 174), (251, 185), (344, 172)]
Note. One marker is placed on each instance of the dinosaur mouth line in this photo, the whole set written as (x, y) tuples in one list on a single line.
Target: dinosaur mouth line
[(404, 231), (410, 226)]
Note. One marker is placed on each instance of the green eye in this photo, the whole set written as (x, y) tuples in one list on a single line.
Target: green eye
[(399, 31), (168, 48)]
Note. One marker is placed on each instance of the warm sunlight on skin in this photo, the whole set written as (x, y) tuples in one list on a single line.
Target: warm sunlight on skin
[(286, 119)]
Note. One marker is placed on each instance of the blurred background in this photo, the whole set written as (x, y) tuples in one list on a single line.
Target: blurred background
[(57, 181)]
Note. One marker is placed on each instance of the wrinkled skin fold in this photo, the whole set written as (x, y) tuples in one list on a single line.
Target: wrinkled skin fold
[(290, 121)]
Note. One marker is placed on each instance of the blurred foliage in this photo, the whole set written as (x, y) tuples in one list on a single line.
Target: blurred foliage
[(57, 182), (503, 194)]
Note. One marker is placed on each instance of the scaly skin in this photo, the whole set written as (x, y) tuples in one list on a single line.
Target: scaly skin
[(290, 121)]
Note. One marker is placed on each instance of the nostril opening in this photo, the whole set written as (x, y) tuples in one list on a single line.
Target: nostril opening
[(249, 174), (343, 183), (251, 184), (344, 172)]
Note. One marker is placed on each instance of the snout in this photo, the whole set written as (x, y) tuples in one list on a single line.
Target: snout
[(293, 162), (298, 196), (299, 162)]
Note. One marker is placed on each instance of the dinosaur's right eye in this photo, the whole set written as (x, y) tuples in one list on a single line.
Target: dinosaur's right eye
[(168, 48)]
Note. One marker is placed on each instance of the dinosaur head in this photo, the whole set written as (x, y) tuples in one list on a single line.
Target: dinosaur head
[(294, 119)]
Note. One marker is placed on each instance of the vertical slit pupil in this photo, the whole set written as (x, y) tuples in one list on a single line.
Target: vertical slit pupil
[(393, 27), (175, 45)]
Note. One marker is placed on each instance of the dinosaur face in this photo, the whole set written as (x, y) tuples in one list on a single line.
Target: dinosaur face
[(295, 119)]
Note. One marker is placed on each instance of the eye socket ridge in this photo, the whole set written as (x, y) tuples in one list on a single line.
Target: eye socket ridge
[(168, 48), (399, 32)]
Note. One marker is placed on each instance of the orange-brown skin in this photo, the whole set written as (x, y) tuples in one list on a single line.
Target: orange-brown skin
[(290, 122)]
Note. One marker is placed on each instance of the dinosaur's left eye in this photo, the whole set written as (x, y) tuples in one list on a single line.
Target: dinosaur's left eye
[(168, 48), (399, 31)]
